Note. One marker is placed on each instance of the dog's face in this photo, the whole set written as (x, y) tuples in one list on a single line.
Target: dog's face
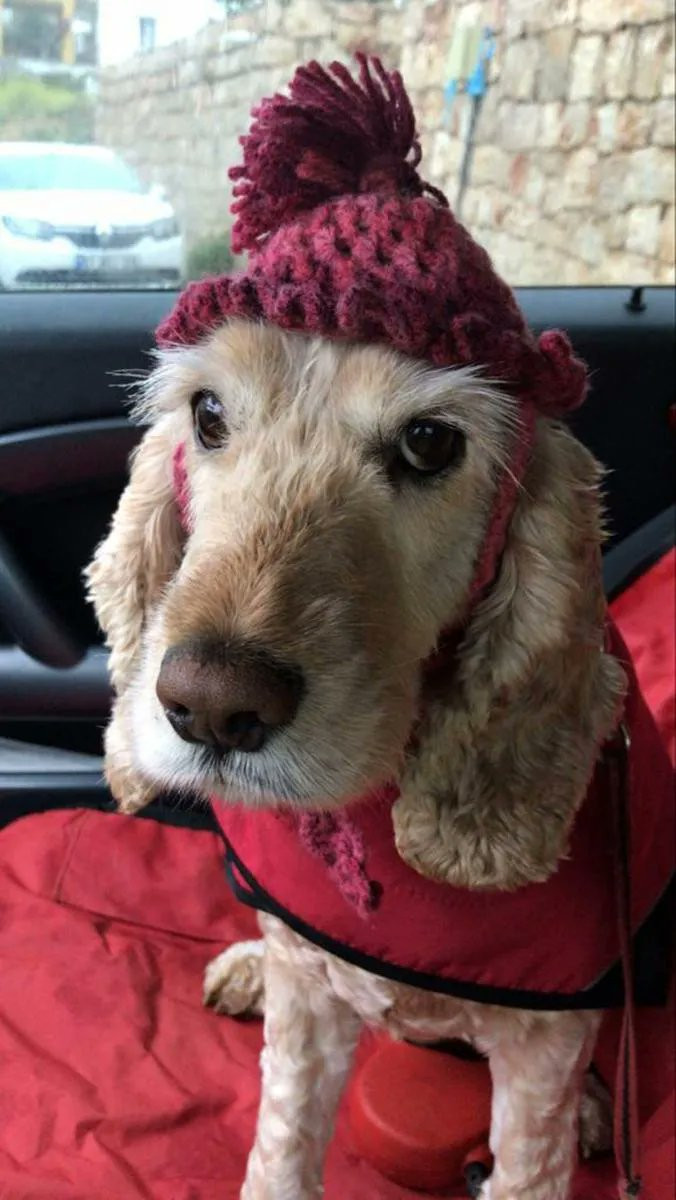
[(338, 498)]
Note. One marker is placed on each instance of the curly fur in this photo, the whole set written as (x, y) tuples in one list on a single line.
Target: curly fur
[(299, 542), (506, 757)]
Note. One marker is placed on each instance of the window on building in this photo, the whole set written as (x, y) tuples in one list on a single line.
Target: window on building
[(147, 27)]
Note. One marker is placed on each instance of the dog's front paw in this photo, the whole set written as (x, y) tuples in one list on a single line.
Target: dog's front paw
[(233, 982), (596, 1117)]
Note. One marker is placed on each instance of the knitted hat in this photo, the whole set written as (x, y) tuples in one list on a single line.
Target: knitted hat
[(346, 241)]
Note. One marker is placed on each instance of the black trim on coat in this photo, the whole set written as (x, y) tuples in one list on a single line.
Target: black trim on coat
[(651, 958)]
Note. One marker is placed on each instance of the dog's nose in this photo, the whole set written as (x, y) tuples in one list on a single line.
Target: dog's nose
[(228, 698)]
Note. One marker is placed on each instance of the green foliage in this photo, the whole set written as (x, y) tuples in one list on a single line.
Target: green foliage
[(210, 256), (35, 110)]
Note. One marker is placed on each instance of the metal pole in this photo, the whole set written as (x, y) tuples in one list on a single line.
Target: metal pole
[(68, 40)]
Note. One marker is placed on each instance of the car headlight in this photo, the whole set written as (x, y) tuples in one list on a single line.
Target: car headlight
[(29, 227), (166, 228)]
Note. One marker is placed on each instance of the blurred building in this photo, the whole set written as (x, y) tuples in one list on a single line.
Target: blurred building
[(48, 36), (130, 27)]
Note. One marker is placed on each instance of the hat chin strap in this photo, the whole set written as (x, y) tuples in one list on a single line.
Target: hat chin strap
[(488, 561), (504, 504)]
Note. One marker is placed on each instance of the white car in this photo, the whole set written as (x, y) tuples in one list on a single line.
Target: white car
[(78, 215)]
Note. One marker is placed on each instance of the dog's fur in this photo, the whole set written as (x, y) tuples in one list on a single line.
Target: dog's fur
[(301, 543)]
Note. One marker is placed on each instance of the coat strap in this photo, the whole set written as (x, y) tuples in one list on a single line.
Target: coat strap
[(626, 1119)]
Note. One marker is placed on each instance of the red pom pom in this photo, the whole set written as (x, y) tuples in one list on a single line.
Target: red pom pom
[(568, 380), (331, 136)]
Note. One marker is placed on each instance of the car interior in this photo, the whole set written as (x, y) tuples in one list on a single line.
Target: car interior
[(546, 133)]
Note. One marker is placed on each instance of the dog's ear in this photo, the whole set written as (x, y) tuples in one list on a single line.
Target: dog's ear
[(139, 554), (505, 756), (125, 579)]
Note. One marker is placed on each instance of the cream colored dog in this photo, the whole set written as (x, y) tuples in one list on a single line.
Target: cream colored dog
[(307, 538)]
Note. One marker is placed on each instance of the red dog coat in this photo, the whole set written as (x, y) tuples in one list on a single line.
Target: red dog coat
[(339, 881)]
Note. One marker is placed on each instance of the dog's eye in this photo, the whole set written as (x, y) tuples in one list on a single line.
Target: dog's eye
[(428, 447), (209, 419)]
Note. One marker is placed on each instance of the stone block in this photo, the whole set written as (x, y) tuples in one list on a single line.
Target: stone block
[(616, 231), (529, 264), (654, 45), (547, 231), (429, 108), (357, 12), (276, 50), (664, 121), (576, 124), (551, 115), (625, 268), (618, 63), (350, 37), (519, 219), (666, 240), (551, 163), (519, 68), (469, 207), (309, 18), (578, 183), (651, 175), (413, 19), (275, 13), (490, 165), (445, 158), (612, 193), (636, 177), (489, 208), (534, 186), (423, 65), (487, 124), (605, 15), (588, 243), (634, 125), (669, 69), (534, 16), (643, 229), (436, 17), (555, 51), (519, 125), (577, 273), (389, 28), (606, 127), (585, 68)]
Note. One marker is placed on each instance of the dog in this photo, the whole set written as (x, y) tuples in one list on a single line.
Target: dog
[(302, 531)]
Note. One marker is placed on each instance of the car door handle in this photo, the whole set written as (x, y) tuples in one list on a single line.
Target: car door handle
[(30, 619)]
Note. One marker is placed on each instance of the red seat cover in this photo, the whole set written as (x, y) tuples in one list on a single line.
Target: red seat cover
[(115, 1082)]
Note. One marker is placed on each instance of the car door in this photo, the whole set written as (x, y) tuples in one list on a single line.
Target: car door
[(64, 444)]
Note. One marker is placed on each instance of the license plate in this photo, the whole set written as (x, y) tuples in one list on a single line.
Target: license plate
[(105, 264)]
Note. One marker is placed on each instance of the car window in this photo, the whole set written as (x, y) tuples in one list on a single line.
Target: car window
[(549, 126)]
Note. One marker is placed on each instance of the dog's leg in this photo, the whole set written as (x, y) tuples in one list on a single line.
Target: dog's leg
[(538, 1073), (596, 1117), (310, 1036)]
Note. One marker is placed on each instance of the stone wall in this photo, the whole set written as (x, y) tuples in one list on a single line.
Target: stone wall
[(571, 179)]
